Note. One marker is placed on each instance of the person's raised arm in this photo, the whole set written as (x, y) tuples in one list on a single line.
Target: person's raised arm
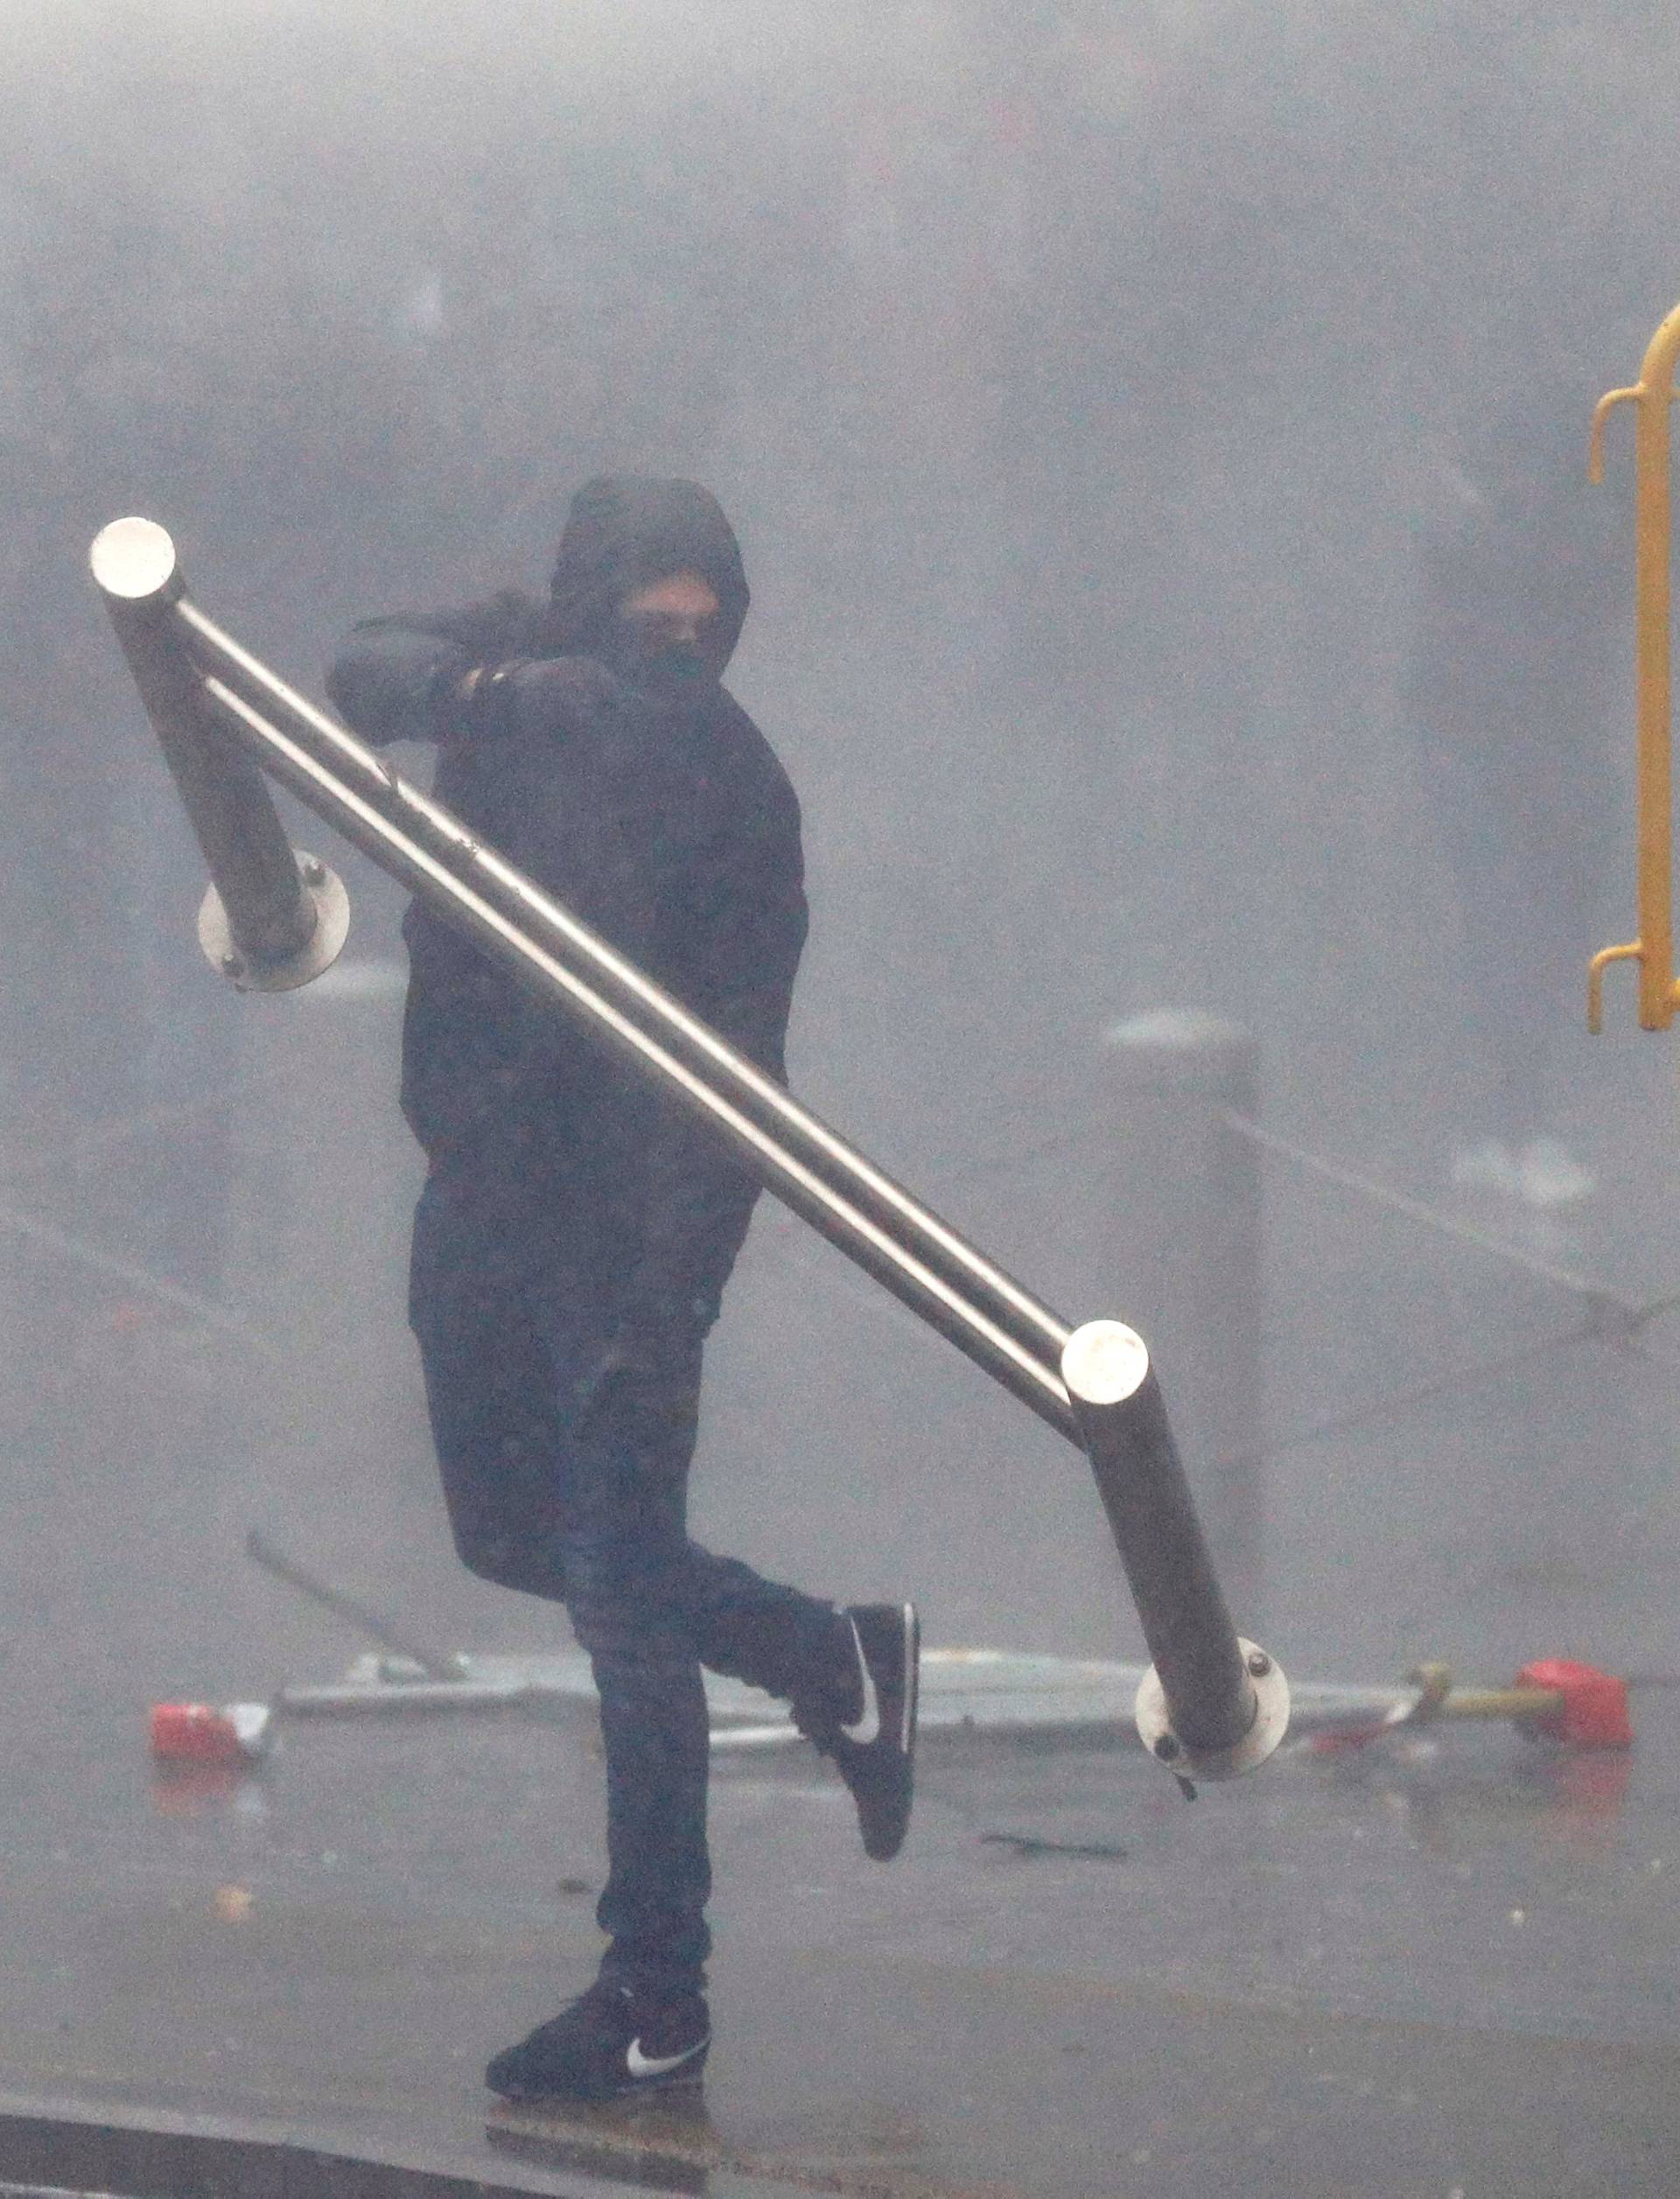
[(392, 682), (427, 676)]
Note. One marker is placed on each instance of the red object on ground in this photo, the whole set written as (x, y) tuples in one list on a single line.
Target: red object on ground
[(194, 1732), (1593, 1713)]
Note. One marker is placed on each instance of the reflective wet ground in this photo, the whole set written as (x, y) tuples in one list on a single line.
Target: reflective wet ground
[(1448, 1969)]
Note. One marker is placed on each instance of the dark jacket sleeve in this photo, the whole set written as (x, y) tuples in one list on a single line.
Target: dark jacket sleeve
[(521, 764), (393, 681), (397, 678)]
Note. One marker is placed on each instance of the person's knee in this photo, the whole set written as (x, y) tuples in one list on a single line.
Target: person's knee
[(625, 1601), (508, 1561)]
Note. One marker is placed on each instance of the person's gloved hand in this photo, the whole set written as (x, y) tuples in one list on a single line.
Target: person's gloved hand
[(547, 691)]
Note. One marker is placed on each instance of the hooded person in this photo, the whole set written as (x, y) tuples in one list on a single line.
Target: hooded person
[(577, 1228)]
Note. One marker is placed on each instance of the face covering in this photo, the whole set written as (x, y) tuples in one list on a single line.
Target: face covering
[(660, 667)]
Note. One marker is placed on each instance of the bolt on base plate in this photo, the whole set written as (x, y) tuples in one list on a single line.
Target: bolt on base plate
[(317, 954), (1270, 1724)]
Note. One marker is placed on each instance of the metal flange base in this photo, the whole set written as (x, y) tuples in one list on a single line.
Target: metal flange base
[(318, 953), (1270, 1724)]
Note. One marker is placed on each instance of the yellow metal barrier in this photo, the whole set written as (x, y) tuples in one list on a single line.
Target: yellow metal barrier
[(1654, 949)]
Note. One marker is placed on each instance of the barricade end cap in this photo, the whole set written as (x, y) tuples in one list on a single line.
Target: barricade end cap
[(134, 560), (1104, 1363)]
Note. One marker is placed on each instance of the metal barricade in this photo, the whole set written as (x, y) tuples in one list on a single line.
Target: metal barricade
[(1212, 1705)]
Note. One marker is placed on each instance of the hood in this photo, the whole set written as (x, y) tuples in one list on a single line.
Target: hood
[(624, 530)]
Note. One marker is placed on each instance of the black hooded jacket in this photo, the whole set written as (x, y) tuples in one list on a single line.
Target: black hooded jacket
[(666, 822)]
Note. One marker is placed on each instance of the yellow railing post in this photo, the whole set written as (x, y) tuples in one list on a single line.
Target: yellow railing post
[(1654, 949)]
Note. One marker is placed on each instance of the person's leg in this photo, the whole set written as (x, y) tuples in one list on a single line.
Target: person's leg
[(848, 1674), (649, 1606), (643, 2024), (578, 1496), (794, 1646), (544, 1497), (623, 1553)]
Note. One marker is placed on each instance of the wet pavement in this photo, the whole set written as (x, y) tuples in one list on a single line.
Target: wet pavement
[(1449, 1969)]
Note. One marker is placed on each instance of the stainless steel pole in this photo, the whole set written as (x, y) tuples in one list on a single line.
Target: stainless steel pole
[(1189, 1196), (272, 919), (233, 705), (1213, 1704)]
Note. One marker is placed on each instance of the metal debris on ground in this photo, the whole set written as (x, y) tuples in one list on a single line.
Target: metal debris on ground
[(1033, 1844)]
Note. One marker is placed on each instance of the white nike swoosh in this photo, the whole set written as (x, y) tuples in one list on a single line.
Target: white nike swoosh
[(642, 2064), (912, 1677), (868, 1727)]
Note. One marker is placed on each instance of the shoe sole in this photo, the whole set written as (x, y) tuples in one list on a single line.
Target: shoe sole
[(630, 2088)]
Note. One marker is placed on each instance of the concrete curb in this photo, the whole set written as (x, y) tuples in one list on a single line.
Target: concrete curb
[(49, 2148)]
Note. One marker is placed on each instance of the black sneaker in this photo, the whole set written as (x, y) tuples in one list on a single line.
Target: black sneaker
[(610, 2042), (875, 1752)]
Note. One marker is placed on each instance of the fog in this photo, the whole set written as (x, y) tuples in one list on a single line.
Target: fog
[(1157, 437)]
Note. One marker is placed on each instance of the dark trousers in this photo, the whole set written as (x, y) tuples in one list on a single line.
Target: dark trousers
[(580, 1497)]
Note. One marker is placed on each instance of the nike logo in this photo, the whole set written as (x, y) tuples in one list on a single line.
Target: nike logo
[(641, 2065), (868, 1727)]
